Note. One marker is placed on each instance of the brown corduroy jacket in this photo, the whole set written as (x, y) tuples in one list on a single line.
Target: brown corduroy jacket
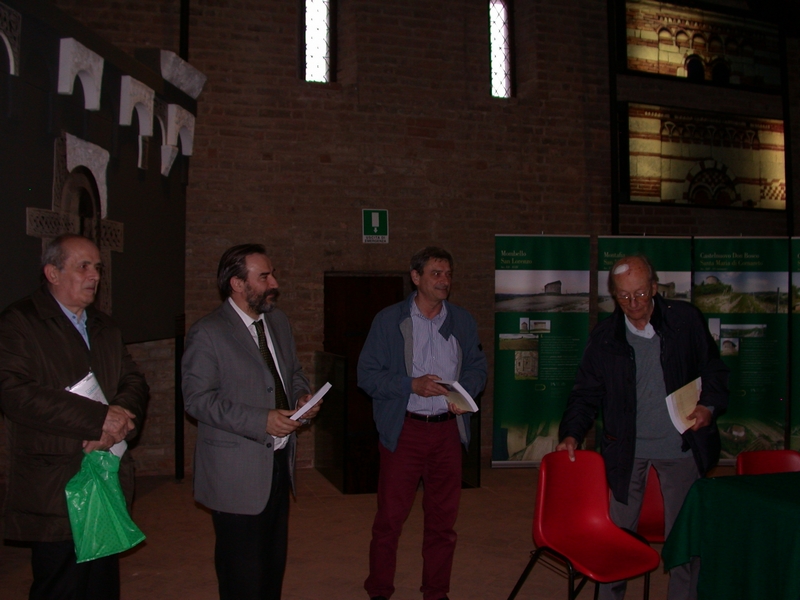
[(41, 353)]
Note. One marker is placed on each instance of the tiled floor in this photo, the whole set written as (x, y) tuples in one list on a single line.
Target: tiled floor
[(328, 546)]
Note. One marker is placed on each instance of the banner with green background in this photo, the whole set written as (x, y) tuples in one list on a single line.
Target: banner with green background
[(794, 431), (742, 287), (542, 286)]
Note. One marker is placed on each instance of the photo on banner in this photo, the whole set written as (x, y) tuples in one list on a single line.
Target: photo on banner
[(742, 287), (542, 292)]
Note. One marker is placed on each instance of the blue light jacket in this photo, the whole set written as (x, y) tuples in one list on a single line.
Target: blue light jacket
[(386, 364)]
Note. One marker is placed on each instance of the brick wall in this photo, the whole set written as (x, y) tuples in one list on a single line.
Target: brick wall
[(154, 451), (409, 127)]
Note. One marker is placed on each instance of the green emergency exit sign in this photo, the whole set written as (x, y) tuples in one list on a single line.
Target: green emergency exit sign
[(376, 226)]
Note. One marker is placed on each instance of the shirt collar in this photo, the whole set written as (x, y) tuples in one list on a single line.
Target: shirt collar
[(72, 316), (648, 331), (246, 319), (416, 312)]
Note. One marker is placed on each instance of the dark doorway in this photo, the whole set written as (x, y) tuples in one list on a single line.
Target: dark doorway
[(345, 439)]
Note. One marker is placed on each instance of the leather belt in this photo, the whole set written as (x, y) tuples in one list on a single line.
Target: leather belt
[(431, 418)]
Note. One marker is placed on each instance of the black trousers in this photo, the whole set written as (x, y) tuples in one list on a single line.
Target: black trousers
[(57, 575), (250, 551)]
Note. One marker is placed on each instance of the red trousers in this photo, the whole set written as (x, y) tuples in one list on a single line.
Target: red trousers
[(431, 452)]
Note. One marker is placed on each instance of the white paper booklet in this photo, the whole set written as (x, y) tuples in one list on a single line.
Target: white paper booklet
[(89, 387), (459, 396), (312, 402), (682, 403)]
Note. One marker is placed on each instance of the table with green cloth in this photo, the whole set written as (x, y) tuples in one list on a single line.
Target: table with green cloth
[(746, 531)]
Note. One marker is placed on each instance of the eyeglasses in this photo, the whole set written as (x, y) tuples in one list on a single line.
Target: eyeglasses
[(625, 297)]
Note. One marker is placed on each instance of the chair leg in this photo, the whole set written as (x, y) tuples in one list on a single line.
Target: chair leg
[(572, 592), (647, 586), (535, 554)]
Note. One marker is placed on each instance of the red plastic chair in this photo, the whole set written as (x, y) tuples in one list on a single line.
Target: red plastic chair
[(759, 462), (651, 518), (571, 523)]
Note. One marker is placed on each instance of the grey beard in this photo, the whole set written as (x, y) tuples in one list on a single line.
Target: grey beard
[(260, 304)]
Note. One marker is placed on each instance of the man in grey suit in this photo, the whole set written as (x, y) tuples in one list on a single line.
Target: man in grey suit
[(244, 459)]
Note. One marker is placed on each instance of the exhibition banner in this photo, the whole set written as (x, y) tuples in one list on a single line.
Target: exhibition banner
[(794, 426), (541, 327), (670, 257), (742, 287)]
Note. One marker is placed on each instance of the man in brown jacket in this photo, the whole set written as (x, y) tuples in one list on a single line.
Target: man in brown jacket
[(49, 341)]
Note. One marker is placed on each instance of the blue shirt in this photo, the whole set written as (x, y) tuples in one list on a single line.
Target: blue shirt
[(432, 355), (79, 322)]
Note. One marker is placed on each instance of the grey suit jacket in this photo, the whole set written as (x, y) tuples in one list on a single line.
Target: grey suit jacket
[(228, 388)]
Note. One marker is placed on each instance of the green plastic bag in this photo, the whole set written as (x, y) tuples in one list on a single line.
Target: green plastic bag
[(100, 522)]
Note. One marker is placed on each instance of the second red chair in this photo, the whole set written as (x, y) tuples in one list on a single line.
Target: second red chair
[(759, 462)]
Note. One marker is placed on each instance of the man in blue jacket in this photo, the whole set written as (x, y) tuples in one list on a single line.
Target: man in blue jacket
[(649, 348), (411, 346)]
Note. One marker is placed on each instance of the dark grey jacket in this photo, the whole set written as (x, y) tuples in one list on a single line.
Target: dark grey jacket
[(606, 380), (229, 389)]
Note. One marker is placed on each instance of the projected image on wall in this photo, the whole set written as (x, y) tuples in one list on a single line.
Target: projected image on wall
[(701, 45), (681, 156)]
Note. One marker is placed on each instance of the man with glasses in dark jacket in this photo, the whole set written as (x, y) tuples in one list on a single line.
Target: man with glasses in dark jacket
[(649, 348)]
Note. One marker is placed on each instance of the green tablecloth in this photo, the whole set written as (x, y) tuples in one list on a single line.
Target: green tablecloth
[(746, 531)]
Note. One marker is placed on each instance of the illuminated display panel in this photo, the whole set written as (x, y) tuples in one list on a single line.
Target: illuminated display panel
[(701, 45), (688, 157)]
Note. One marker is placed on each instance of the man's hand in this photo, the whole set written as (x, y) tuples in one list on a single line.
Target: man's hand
[(426, 386), (313, 411), (569, 444), (279, 424), (454, 409), (703, 416), (104, 443), (118, 424)]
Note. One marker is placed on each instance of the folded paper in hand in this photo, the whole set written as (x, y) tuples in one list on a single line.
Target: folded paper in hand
[(89, 387), (459, 396), (312, 402), (682, 402)]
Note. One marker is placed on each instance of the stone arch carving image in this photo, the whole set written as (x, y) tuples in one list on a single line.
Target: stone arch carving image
[(136, 96), (76, 60), (10, 28), (176, 123), (735, 50), (684, 156), (710, 183)]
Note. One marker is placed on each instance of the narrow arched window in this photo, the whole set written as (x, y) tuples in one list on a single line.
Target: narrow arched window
[(500, 47), (695, 69), (319, 40)]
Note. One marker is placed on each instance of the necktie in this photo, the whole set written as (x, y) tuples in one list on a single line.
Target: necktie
[(280, 394)]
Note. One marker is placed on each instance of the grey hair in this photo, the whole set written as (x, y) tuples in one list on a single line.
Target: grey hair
[(55, 254)]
